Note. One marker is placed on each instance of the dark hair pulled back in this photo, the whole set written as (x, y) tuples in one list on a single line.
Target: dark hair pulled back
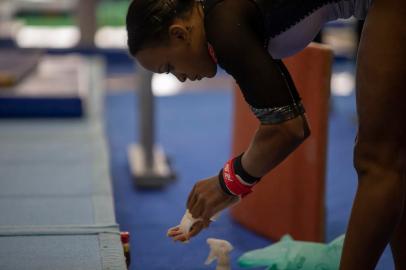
[(148, 21)]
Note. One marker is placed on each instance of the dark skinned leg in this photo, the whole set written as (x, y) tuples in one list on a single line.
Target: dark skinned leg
[(379, 155), (398, 241)]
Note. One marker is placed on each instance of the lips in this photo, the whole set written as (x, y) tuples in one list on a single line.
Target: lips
[(196, 77)]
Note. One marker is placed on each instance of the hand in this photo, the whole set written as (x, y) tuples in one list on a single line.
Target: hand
[(205, 200), (181, 232), (177, 234)]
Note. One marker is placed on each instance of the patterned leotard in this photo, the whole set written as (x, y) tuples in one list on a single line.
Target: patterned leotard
[(250, 36)]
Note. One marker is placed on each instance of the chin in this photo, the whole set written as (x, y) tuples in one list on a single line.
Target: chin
[(212, 72)]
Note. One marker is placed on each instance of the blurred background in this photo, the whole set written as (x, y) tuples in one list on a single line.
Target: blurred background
[(83, 129)]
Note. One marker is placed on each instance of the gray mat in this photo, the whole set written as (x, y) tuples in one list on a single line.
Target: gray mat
[(50, 252), (56, 205)]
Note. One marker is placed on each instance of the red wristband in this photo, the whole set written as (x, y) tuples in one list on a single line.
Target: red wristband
[(231, 181)]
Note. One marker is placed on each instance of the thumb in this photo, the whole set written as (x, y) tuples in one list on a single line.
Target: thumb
[(197, 227)]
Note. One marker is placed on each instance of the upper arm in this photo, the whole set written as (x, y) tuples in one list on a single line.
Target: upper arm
[(240, 50)]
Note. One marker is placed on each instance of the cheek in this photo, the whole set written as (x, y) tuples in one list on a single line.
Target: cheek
[(189, 61), (200, 61), (182, 61)]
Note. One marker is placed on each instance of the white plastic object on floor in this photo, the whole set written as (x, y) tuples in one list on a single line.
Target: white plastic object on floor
[(219, 250)]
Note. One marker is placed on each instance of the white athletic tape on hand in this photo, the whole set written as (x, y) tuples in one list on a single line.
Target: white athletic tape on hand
[(187, 223)]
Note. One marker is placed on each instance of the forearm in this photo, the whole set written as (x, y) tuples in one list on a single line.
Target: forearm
[(272, 144)]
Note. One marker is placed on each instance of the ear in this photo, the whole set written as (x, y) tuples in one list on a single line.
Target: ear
[(179, 32)]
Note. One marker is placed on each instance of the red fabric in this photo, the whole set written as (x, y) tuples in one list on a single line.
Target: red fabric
[(231, 181), (125, 237)]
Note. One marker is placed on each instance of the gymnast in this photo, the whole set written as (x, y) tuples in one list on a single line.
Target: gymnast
[(247, 38)]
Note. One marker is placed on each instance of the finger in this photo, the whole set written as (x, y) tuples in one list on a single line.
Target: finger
[(178, 237), (182, 238), (174, 233), (206, 223), (176, 228), (197, 227)]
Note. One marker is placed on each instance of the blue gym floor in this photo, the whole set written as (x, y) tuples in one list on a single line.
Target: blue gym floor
[(195, 131)]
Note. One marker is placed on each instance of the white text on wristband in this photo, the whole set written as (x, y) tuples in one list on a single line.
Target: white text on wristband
[(231, 181)]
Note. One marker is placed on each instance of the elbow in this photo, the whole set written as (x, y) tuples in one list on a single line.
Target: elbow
[(306, 128), (300, 130), (288, 135)]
